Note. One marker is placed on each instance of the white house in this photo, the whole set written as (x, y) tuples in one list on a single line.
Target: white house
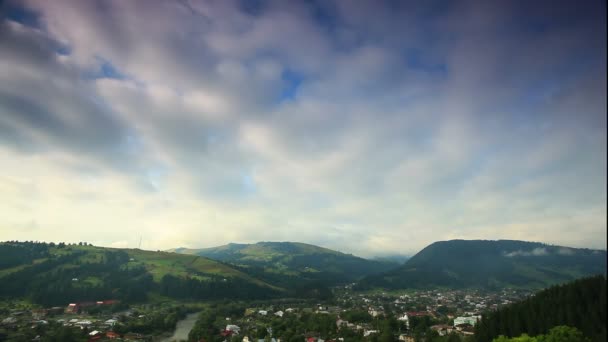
[(369, 332), (111, 322), (263, 312), (472, 320), (279, 313), (84, 323), (234, 328), (374, 312)]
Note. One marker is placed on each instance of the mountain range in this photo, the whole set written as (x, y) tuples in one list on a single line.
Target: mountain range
[(286, 262), (53, 274), (490, 264)]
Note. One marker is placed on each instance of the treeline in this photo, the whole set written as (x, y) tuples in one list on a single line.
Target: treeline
[(580, 304), (15, 254), (211, 320), (51, 332), (558, 334), (154, 322), (51, 283)]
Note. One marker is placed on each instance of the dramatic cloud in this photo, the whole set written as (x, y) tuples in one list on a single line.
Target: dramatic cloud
[(369, 127)]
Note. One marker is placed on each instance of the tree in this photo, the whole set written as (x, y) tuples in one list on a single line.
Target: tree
[(556, 334)]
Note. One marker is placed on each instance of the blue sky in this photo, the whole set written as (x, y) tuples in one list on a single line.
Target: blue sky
[(372, 127)]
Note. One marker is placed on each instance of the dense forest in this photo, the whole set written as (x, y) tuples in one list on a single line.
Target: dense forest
[(214, 288), (51, 282), (580, 304), (491, 265), (557, 334)]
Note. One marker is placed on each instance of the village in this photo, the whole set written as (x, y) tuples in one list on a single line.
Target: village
[(347, 316)]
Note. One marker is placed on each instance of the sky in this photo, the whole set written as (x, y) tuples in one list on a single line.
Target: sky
[(370, 127)]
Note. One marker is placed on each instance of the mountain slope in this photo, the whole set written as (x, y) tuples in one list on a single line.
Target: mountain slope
[(490, 264), (57, 274), (282, 260), (580, 304)]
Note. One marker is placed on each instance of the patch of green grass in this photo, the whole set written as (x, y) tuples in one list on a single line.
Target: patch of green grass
[(161, 263), (20, 267)]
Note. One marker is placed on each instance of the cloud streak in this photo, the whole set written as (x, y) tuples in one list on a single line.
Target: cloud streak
[(198, 123)]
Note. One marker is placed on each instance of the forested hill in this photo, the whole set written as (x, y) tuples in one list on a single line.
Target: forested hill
[(288, 261), (580, 304), (57, 274), (491, 264)]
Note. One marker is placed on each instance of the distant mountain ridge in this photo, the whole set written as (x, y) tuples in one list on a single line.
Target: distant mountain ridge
[(271, 260), (490, 264)]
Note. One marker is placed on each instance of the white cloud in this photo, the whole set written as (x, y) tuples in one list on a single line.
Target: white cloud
[(395, 137), (540, 251)]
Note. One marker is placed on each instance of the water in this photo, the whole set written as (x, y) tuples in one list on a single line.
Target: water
[(183, 328)]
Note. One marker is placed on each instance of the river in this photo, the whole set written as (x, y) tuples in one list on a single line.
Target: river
[(182, 329)]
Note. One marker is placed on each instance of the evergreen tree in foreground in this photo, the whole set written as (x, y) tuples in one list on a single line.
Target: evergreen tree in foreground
[(580, 304)]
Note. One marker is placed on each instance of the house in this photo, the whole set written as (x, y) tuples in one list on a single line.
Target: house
[(110, 322), (133, 336), (246, 339), (233, 328), (279, 313), (417, 313), (406, 338), (112, 335), (83, 323), (369, 332), (226, 333), (340, 323), (39, 313), (442, 329), (72, 308), (405, 319), (263, 312), (373, 312), (95, 333), (472, 320), (289, 310), (78, 307)]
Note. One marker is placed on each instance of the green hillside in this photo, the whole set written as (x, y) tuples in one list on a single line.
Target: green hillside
[(490, 264), (52, 274), (285, 262)]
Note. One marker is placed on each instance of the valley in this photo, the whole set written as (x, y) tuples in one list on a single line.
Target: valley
[(54, 289)]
